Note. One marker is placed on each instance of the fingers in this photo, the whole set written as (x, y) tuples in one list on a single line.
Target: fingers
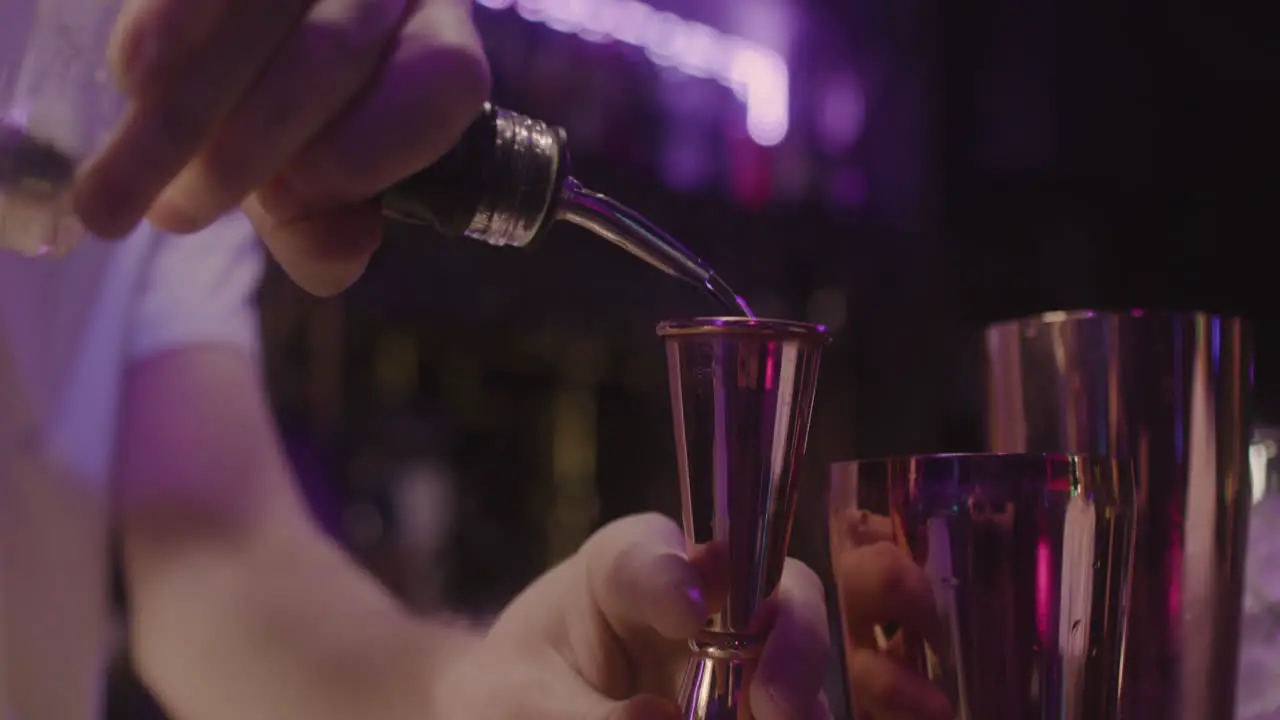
[(866, 528), (711, 561), (793, 666), (878, 584), (151, 39), (323, 252), (311, 77), (821, 709), (174, 109), (642, 582), (430, 88), (640, 578), (234, 103), (414, 109), (885, 690)]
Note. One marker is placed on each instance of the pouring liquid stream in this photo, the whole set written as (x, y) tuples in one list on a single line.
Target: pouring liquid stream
[(628, 230)]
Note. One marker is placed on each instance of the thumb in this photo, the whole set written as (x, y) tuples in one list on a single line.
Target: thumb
[(640, 578), (323, 253), (797, 652)]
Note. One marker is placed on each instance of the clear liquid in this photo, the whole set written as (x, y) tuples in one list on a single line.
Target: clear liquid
[(630, 231), (35, 202)]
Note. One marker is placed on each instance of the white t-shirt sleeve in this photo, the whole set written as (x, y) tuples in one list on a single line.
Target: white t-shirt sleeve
[(199, 289)]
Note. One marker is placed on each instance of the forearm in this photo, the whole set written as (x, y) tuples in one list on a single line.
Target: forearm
[(240, 608), (286, 627)]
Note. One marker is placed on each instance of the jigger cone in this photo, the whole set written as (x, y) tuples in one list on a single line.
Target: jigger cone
[(742, 393)]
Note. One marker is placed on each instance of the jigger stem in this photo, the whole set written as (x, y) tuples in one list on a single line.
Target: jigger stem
[(742, 393), (714, 688)]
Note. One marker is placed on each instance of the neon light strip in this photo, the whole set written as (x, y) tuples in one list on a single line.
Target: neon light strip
[(757, 75)]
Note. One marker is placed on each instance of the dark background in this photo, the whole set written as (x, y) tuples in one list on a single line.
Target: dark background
[(1013, 158)]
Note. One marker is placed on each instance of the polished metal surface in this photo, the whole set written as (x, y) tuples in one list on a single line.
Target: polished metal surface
[(1171, 393), (1028, 558), (742, 394), (499, 184), (522, 182)]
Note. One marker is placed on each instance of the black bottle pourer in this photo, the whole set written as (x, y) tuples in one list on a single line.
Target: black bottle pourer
[(508, 180), (500, 184)]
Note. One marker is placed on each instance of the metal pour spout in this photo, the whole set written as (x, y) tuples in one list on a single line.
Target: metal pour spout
[(507, 181)]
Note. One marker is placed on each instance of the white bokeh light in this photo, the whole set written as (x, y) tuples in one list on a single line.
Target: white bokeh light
[(757, 75)]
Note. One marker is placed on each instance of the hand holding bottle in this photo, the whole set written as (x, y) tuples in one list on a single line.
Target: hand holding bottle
[(298, 112), (880, 588)]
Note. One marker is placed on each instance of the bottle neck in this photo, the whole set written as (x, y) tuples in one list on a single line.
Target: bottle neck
[(499, 184), (524, 179)]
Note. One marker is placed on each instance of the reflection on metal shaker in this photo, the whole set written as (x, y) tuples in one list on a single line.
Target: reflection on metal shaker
[(1171, 393), (1008, 576)]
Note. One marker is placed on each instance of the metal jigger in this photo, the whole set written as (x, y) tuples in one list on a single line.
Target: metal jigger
[(1171, 393), (742, 393), (1026, 561)]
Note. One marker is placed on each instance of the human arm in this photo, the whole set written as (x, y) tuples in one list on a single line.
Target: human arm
[(240, 606), (254, 616), (242, 609), (300, 112), (604, 636)]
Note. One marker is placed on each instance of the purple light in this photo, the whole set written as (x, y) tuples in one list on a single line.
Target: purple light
[(758, 76), (1044, 588), (842, 114)]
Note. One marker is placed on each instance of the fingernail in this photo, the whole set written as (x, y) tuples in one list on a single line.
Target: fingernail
[(695, 606), (134, 53), (694, 595), (685, 609), (142, 63)]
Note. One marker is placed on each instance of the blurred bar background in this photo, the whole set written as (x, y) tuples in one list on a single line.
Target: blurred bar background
[(904, 171)]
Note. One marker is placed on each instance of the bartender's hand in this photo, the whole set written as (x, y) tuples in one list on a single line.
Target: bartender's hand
[(604, 637), (881, 587), (300, 111)]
